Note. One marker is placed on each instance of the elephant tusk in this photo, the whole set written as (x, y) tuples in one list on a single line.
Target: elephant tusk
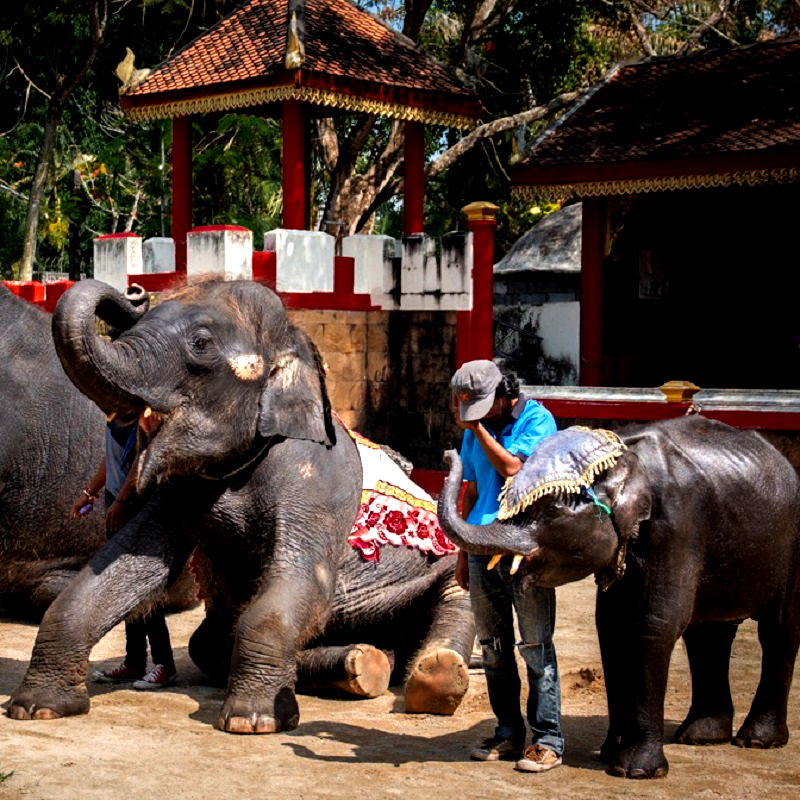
[(147, 412), (494, 561), (515, 564)]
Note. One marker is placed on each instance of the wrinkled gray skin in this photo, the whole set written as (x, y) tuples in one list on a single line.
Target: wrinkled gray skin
[(51, 439), (710, 515), (51, 443), (249, 467)]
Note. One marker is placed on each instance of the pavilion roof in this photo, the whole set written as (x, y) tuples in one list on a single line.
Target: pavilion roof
[(714, 118), (327, 53)]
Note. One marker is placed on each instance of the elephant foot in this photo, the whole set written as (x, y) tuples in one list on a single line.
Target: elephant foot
[(368, 671), (437, 683), (246, 715), (761, 732), (610, 748), (640, 762), (705, 730), (48, 703)]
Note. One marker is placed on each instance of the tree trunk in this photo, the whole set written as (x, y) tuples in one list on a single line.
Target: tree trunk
[(38, 188)]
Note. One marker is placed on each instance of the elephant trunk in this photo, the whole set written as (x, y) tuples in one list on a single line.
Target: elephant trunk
[(485, 540), (98, 367)]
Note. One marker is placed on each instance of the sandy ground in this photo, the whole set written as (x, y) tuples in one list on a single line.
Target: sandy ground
[(162, 744)]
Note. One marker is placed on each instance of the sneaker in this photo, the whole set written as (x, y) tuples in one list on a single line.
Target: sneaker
[(538, 758), (120, 674), (157, 678), (496, 748)]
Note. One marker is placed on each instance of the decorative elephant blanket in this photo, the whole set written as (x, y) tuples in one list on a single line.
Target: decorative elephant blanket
[(394, 510)]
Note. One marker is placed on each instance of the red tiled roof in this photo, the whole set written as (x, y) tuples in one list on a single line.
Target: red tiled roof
[(346, 50), (724, 103)]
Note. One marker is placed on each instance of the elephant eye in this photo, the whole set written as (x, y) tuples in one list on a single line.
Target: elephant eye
[(201, 342)]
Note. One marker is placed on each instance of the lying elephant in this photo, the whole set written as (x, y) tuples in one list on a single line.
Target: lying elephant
[(692, 527), (250, 467), (51, 442)]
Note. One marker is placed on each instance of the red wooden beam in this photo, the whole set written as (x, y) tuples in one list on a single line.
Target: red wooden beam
[(294, 180), (593, 243), (181, 187), (413, 179)]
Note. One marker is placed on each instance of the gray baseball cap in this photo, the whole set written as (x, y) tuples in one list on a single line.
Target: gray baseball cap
[(474, 386)]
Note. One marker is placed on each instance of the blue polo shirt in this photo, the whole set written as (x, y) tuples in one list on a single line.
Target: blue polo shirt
[(530, 423)]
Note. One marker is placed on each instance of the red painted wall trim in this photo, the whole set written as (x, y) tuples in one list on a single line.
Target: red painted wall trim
[(127, 235)]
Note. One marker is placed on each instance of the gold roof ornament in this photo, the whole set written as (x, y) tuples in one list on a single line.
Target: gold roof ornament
[(679, 391), (128, 74)]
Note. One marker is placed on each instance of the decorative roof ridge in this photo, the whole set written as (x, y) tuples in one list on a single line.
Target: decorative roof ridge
[(295, 34)]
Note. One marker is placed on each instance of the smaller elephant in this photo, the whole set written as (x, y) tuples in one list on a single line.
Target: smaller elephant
[(691, 527)]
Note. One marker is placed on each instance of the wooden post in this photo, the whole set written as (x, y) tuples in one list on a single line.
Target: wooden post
[(293, 167), (593, 252), (413, 179), (478, 326), (181, 187)]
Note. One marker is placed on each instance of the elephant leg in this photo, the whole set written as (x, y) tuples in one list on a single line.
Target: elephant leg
[(438, 675), (648, 623), (779, 635), (614, 639), (710, 717), (358, 669), (131, 568), (290, 611), (211, 646)]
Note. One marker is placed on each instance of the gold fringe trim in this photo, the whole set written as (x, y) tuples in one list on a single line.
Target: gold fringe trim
[(752, 177), (562, 485), (390, 490), (321, 97)]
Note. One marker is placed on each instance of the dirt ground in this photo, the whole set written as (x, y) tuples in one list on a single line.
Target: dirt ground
[(162, 744)]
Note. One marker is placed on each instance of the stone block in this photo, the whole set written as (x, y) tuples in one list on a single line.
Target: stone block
[(345, 366), (377, 339), (117, 255), (158, 254), (304, 259), (220, 250)]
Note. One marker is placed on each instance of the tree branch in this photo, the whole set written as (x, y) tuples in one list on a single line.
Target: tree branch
[(705, 26), (498, 126)]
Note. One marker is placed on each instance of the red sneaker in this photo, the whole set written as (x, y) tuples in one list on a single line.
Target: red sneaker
[(120, 674), (157, 678)]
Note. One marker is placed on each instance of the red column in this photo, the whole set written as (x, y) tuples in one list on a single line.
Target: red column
[(413, 179), (477, 326), (593, 251), (181, 187), (293, 165)]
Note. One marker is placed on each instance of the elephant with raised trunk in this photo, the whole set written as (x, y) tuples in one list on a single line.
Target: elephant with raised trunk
[(691, 527), (249, 466)]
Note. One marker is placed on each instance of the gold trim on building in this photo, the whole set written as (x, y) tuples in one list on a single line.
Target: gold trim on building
[(753, 177), (321, 97)]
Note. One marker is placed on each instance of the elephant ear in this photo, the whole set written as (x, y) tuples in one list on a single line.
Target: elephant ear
[(294, 403), (629, 495)]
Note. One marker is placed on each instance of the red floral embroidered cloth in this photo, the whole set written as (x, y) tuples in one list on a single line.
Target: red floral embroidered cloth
[(394, 510)]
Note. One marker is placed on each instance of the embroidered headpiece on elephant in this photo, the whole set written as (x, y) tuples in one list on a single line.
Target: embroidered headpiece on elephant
[(566, 463)]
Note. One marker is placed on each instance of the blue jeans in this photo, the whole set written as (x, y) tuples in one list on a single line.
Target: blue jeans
[(495, 595)]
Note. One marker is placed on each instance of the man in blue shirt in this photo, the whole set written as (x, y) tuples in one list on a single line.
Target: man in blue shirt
[(502, 428)]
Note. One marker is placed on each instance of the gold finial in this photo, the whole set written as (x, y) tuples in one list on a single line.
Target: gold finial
[(129, 76), (480, 210), (679, 391)]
